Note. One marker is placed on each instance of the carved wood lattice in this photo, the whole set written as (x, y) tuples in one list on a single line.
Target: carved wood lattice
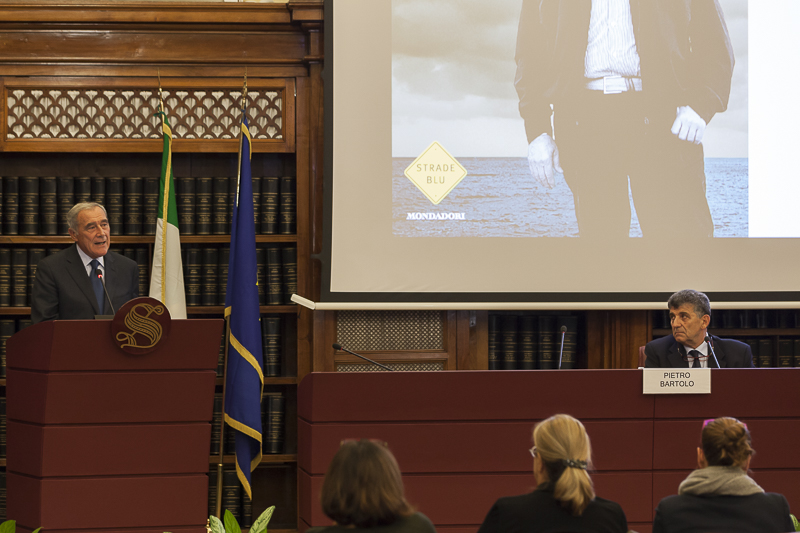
[(36, 113)]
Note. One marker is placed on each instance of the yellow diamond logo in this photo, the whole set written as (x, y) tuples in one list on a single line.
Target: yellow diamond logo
[(435, 172)]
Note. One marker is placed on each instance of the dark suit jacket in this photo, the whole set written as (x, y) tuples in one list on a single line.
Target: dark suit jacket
[(540, 512), (666, 353), (684, 49), (764, 513), (62, 289)]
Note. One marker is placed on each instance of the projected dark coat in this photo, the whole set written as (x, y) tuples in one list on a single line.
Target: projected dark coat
[(686, 59), (666, 352)]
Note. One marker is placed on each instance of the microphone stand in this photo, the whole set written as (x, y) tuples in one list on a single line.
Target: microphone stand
[(340, 347)]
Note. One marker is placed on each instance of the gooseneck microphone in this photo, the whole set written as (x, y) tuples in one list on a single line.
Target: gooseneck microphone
[(337, 346), (561, 351), (711, 347), (103, 281)]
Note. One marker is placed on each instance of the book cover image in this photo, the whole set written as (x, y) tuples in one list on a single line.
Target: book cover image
[(459, 80)]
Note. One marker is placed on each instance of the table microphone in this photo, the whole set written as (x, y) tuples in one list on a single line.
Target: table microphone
[(711, 347), (337, 346), (561, 352), (103, 282)]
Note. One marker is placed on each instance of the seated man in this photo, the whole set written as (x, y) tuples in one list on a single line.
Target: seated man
[(689, 315), (67, 284)]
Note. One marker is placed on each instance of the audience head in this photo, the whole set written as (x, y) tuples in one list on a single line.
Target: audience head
[(363, 486), (562, 455), (725, 442)]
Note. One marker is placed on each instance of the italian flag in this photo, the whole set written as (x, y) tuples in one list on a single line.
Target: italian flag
[(166, 281)]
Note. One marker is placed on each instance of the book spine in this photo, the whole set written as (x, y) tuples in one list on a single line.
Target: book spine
[(3, 425), (494, 335), (269, 205), (212, 491), (764, 353), (210, 275), (288, 206), (144, 270), (134, 205), (5, 277), (66, 199), (48, 205), (233, 185), (271, 331), (247, 511), (785, 353), (83, 190), (203, 208), (3, 492), (508, 341), (796, 352), (2, 203), (232, 493), (8, 327), (289, 259), (192, 276), (34, 256), (98, 184), (569, 357), (221, 358), (150, 207), (216, 424), (224, 265), (11, 205), (115, 207), (19, 277), (269, 265), (261, 274), (220, 208), (274, 411), (257, 203), (186, 201), (527, 342), (29, 205), (547, 345)]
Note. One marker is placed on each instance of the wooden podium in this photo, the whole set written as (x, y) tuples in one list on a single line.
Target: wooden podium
[(100, 439), (462, 438)]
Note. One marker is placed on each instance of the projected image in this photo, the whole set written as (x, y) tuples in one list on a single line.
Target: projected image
[(604, 119)]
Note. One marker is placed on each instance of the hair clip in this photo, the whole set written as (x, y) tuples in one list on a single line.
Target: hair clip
[(574, 463)]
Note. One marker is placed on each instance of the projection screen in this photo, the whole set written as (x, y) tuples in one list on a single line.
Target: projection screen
[(431, 197)]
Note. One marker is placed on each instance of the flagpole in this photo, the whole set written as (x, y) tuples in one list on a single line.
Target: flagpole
[(165, 193), (228, 330)]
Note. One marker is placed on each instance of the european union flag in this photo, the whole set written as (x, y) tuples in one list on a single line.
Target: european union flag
[(244, 378)]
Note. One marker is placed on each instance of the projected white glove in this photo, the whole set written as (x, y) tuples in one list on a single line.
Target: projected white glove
[(543, 160), (688, 125)]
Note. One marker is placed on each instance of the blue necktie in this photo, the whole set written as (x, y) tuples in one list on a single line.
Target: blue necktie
[(97, 285), (696, 354)]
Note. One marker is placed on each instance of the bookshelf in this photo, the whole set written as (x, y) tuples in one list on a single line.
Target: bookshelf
[(54, 90)]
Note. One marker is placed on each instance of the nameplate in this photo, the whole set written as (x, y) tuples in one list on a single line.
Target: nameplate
[(677, 381)]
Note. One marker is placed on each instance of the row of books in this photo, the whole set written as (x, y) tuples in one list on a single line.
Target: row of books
[(205, 205), (741, 319), (271, 347), (529, 341), (234, 498), (205, 274), (33, 205), (273, 418), (765, 354), (9, 326)]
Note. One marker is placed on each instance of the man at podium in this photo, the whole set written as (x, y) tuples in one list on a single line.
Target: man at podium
[(690, 345), (85, 279)]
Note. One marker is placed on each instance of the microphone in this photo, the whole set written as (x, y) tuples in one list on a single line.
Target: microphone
[(561, 352), (337, 346), (103, 281), (708, 340)]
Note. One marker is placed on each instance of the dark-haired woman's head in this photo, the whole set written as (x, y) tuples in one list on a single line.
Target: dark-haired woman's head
[(363, 486), (725, 442), (564, 451)]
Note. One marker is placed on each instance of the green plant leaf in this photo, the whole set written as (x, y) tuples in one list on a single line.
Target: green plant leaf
[(9, 526), (37, 530), (215, 525), (231, 525), (260, 525)]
